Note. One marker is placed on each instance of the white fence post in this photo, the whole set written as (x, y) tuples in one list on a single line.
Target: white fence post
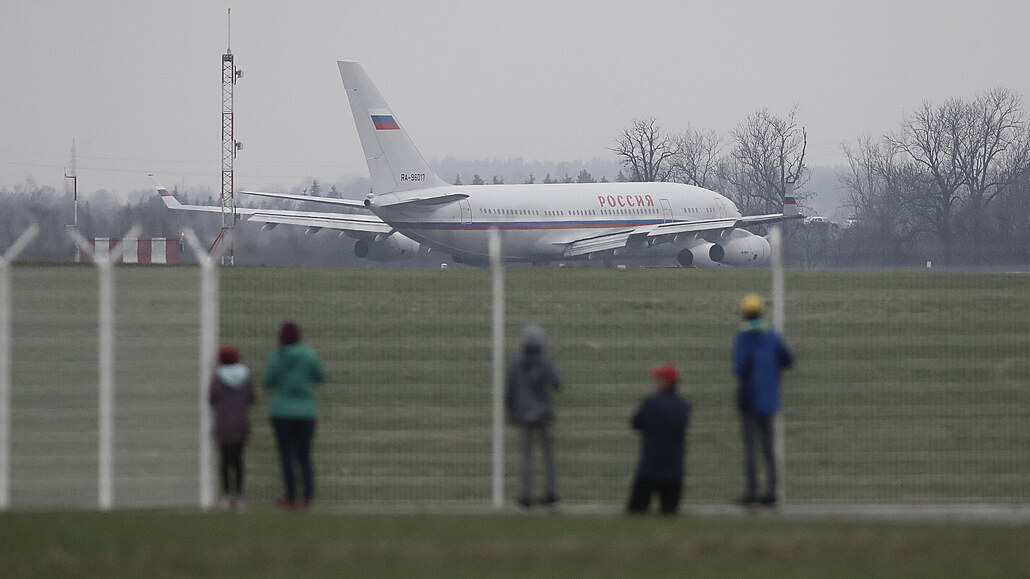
[(779, 436), (105, 363), (498, 367), (209, 318), (5, 362)]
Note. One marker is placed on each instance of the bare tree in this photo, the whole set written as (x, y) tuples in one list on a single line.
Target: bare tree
[(645, 151), (876, 182), (697, 157), (933, 138), (1011, 213), (767, 150), (994, 153)]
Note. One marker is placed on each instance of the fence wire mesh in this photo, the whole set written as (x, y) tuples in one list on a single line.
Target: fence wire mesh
[(54, 395), (909, 386)]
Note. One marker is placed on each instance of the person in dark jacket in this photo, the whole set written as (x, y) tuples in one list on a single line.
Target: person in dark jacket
[(291, 373), (230, 395), (662, 420), (759, 354), (531, 379)]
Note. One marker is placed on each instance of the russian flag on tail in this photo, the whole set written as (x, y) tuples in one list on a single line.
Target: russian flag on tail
[(384, 122)]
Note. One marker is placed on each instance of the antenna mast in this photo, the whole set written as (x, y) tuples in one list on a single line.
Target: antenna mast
[(74, 176), (229, 145)]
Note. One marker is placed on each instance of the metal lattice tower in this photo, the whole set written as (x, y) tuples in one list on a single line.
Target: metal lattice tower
[(229, 147)]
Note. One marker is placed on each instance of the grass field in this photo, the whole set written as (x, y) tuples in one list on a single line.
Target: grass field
[(910, 387), (171, 544)]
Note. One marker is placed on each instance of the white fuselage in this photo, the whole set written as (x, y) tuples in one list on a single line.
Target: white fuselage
[(537, 221)]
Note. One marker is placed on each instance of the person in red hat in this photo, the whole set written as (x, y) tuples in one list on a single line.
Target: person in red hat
[(230, 395), (662, 420)]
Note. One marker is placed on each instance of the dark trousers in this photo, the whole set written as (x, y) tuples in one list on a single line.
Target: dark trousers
[(645, 487), (294, 435), (231, 468), (758, 434), (546, 432)]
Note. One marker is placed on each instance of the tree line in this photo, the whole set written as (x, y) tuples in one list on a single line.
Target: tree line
[(950, 185), (102, 214)]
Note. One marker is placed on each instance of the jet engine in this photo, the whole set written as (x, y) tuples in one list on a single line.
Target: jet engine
[(740, 247), (697, 255), (392, 247)]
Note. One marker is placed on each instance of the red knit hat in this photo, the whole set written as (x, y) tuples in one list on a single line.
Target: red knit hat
[(666, 373), (228, 355)]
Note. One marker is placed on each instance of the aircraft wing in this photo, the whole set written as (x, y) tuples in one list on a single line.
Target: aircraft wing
[(771, 218), (790, 211), (605, 242), (650, 233), (698, 226), (313, 220)]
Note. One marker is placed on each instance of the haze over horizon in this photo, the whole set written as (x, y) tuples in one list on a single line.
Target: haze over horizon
[(138, 86)]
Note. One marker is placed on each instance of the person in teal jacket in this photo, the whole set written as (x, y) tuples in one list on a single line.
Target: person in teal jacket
[(291, 373)]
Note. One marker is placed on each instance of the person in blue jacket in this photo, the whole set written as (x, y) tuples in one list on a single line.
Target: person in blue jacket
[(662, 421), (759, 354)]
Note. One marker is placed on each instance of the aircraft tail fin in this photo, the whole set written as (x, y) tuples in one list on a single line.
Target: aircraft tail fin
[(790, 204), (393, 161), (169, 201), (172, 203)]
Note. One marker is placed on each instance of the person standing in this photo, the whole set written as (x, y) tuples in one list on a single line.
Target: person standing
[(662, 420), (230, 394), (291, 373), (531, 379), (759, 355)]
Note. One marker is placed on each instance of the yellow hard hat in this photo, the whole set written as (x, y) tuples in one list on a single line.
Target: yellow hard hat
[(751, 305)]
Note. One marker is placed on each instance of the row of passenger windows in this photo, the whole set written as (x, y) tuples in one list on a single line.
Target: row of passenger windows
[(588, 212), (572, 212)]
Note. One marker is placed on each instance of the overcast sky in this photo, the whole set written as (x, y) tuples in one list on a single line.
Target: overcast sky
[(138, 84)]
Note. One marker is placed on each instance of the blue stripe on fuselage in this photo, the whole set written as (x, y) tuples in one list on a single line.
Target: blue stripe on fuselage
[(523, 225)]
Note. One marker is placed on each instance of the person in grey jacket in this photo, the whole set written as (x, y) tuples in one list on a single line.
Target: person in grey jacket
[(231, 395), (531, 379)]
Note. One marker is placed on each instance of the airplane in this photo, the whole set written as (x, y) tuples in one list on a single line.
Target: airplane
[(410, 210)]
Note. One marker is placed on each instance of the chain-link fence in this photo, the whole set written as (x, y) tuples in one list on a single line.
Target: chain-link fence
[(909, 386)]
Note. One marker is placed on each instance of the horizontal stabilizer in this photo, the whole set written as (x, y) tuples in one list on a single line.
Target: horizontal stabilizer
[(356, 204), (431, 202)]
